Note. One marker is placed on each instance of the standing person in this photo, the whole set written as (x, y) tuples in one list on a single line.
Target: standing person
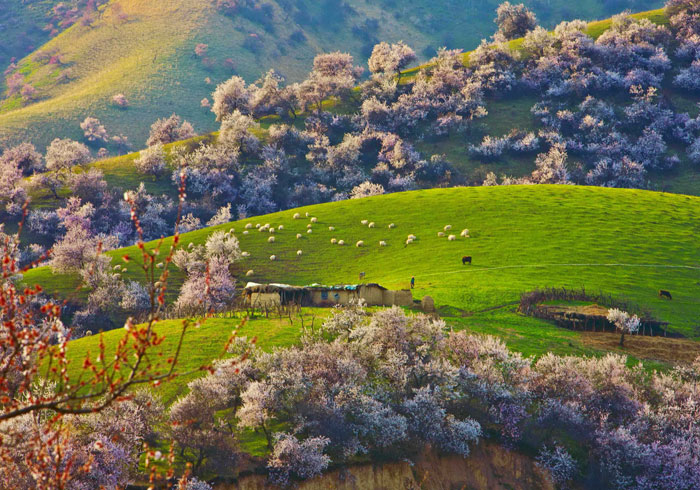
[(413, 281)]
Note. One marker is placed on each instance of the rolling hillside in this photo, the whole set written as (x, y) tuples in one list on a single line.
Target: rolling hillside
[(628, 243), (145, 50)]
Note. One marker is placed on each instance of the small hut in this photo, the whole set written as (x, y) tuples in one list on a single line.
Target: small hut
[(260, 295)]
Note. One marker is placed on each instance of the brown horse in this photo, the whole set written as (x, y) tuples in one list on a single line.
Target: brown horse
[(467, 259)]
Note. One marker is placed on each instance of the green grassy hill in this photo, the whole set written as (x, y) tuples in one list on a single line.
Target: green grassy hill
[(629, 243), (146, 51), (504, 115)]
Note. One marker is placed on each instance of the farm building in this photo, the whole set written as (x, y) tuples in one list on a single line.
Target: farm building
[(320, 295)]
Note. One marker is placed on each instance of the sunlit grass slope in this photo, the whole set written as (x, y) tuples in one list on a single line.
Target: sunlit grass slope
[(145, 49), (629, 243)]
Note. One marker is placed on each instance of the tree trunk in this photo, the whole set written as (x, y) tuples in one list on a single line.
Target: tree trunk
[(622, 339)]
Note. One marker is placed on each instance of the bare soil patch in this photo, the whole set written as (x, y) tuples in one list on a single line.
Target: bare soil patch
[(674, 351)]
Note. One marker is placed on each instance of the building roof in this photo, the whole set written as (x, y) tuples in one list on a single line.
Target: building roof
[(255, 287)]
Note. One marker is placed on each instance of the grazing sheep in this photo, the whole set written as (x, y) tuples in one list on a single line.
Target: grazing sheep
[(411, 236), (245, 232), (271, 240), (309, 230), (341, 242), (364, 222), (467, 259), (296, 216), (273, 257), (245, 254), (409, 241), (190, 245), (360, 243), (258, 225), (447, 227), (298, 252), (298, 236), (309, 225), (272, 230), (382, 243), (664, 294), (391, 225), (452, 238), (441, 234), (333, 241), (249, 273), (314, 219), (331, 228), (371, 225), (248, 226), (307, 214), (465, 233), (280, 228)]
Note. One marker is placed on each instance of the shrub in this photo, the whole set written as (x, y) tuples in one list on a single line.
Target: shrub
[(151, 161)]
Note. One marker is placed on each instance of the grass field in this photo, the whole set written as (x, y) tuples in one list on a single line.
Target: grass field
[(202, 344), (630, 243)]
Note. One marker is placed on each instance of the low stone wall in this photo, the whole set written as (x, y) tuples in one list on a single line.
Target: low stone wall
[(489, 466)]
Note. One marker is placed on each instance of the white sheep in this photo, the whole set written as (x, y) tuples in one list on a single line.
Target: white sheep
[(382, 243), (391, 225), (447, 227), (309, 225), (314, 219), (298, 236), (249, 273), (272, 230), (271, 240), (190, 245), (245, 232), (411, 236), (333, 241), (452, 238), (371, 224), (248, 226), (360, 243), (465, 233), (245, 254), (299, 253), (409, 241), (309, 230), (364, 222), (296, 216), (341, 242), (258, 225), (273, 257), (441, 234), (331, 228), (280, 228), (307, 214)]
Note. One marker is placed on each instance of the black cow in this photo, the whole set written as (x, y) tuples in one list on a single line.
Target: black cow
[(664, 294), (467, 259)]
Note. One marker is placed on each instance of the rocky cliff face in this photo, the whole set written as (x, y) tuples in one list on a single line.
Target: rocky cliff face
[(490, 466)]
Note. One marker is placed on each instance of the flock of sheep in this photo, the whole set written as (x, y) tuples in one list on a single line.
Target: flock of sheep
[(334, 241)]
